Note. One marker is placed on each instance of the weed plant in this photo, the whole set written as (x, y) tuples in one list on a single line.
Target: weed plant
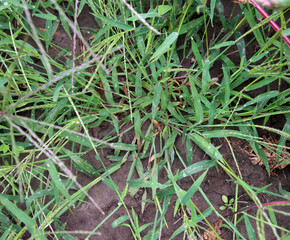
[(129, 74)]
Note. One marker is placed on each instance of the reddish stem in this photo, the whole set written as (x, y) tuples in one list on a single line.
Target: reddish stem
[(272, 22), (263, 205)]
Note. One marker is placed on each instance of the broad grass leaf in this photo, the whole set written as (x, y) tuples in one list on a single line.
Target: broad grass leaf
[(154, 181), (226, 85), (195, 168), (179, 230), (138, 124), (241, 46), (162, 9), (249, 227), (56, 179), (190, 26), (251, 20), (227, 133), (175, 114), (37, 195), (259, 98), (193, 189), (126, 147), (81, 164), (189, 151), (138, 83), (207, 147), (141, 183), (261, 83), (171, 140), (205, 76), (196, 53), (150, 14), (114, 23), (196, 101), (23, 217), (118, 222), (156, 99), (212, 8), (53, 113), (81, 5), (224, 44), (283, 138), (164, 46), (108, 91), (47, 16)]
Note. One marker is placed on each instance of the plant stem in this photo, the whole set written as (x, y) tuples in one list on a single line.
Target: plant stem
[(272, 22)]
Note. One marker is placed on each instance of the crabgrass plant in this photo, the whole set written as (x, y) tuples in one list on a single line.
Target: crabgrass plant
[(134, 73)]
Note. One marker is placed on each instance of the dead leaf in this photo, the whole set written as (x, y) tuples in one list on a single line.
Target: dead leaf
[(210, 233), (269, 143), (159, 126)]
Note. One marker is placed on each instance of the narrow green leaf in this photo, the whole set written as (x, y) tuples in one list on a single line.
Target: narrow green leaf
[(197, 101), (212, 8), (207, 147), (23, 217), (164, 46), (138, 124), (120, 220), (195, 168), (156, 99), (193, 189), (261, 83), (114, 23), (196, 53), (81, 164), (56, 179), (162, 9), (283, 138), (250, 230), (259, 98), (205, 76), (224, 44), (175, 114), (47, 16), (150, 14)]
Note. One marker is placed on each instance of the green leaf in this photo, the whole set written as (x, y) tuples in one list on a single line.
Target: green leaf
[(197, 101), (126, 147), (81, 164), (162, 9), (207, 147), (283, 138), (195, 168), (225, 199), (224, 44), (120, 220), (56, 179), (250, 230), (196, 53), (223, 208), (205, 76), (175, 114), (114, 23), (23, 217), (47, 16), (156, 99), (149, 14), (261, 83), (193, 189), (164, 46), (259, 98)]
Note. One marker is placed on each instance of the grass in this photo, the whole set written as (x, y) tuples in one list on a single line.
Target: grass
[(127, 74)]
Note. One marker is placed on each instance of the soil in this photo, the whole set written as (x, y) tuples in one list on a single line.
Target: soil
[(217, 183)]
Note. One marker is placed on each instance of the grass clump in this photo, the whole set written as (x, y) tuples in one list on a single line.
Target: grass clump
[(183, 82)]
